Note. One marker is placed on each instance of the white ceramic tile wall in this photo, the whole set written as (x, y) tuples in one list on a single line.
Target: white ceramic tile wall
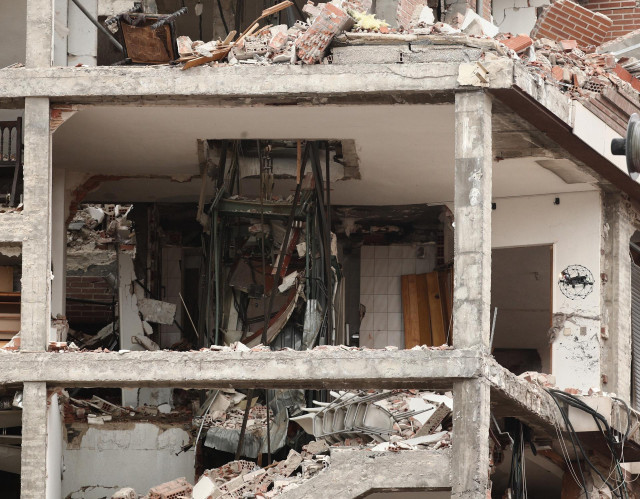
[(381, 268)]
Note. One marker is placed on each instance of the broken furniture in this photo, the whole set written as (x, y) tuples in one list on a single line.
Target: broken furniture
[(147, 38), (11, 155)]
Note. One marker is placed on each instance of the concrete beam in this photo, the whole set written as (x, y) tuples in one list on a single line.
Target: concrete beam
[(319, 83), (40, 18), (437, 369), (36, 247), (11, 227), (355, 473), (34, 441)]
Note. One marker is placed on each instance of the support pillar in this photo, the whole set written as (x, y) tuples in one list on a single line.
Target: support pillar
[(36, 248), (615, 296), (472, 290), (34, 441)]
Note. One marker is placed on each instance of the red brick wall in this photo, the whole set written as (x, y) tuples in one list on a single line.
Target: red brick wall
[(88, 288), (486, 8), (624, 14), (566, 20)]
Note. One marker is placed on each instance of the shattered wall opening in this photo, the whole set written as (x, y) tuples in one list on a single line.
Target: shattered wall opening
[(219, 442), (11, 160), (10, 295), (521, 284), (10, 440)]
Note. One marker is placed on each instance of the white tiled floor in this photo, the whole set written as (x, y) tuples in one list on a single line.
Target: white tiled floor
[(381, 268)]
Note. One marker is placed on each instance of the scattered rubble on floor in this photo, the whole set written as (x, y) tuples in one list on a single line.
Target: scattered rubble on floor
[(71, 347), (573, 58), (421, 419)]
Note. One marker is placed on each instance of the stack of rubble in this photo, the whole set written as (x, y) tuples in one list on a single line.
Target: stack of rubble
[(227, 410)]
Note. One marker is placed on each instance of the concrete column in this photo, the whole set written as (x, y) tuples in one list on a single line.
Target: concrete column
[(470, 439), (472, 210), (34, 441), (472, 290), (58, 244), (40, 18), (36, 248), (615, 300)]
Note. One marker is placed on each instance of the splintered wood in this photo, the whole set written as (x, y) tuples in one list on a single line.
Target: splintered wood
[(225, 47)]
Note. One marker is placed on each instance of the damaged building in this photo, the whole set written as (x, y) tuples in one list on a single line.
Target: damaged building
[(360, 248)]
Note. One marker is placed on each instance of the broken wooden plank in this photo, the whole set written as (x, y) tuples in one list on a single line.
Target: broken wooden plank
[(410, 311), (435, 309), (424, 313)]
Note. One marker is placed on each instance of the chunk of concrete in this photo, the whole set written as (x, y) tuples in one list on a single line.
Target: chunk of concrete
[(126, 493), (157, 311), (205, 489)]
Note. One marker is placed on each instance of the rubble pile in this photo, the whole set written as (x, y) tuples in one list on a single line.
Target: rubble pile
[(579, 65), (98, 411), (421, 419), (227, 410), (100, 227)]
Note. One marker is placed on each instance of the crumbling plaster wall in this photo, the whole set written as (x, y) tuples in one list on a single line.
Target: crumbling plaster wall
[(13, 27), (106, 458), (516, 16), (573, 228), (619, 221)]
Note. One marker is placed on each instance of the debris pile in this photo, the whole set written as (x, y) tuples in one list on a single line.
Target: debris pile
[(419, 419), (227, 410), (380, 420), (100, 227)]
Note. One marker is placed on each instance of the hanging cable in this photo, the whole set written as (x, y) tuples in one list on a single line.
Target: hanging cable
[(618, 487), (224, 21)]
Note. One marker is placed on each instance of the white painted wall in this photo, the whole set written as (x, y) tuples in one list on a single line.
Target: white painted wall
[(13, 32), (58, 244), (116, 455), (82, 42), (596, 133), (516, 16), (573, 228), (54, 449), (60, 32)]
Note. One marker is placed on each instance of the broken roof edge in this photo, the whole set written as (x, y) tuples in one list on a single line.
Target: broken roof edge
[(551, 111)]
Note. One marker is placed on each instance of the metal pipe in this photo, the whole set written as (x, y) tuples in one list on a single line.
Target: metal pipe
[(111, 38), (243, 428), (169, 18), (216, 267)]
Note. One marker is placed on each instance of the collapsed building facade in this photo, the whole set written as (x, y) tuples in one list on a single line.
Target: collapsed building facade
[(295, 250)]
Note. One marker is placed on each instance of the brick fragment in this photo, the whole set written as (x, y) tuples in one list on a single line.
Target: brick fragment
[(313, 43), (408, 12), (568, 45), (518, 43), (557, 72)]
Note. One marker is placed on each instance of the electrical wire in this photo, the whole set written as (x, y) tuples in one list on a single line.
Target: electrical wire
[(618, 487)]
